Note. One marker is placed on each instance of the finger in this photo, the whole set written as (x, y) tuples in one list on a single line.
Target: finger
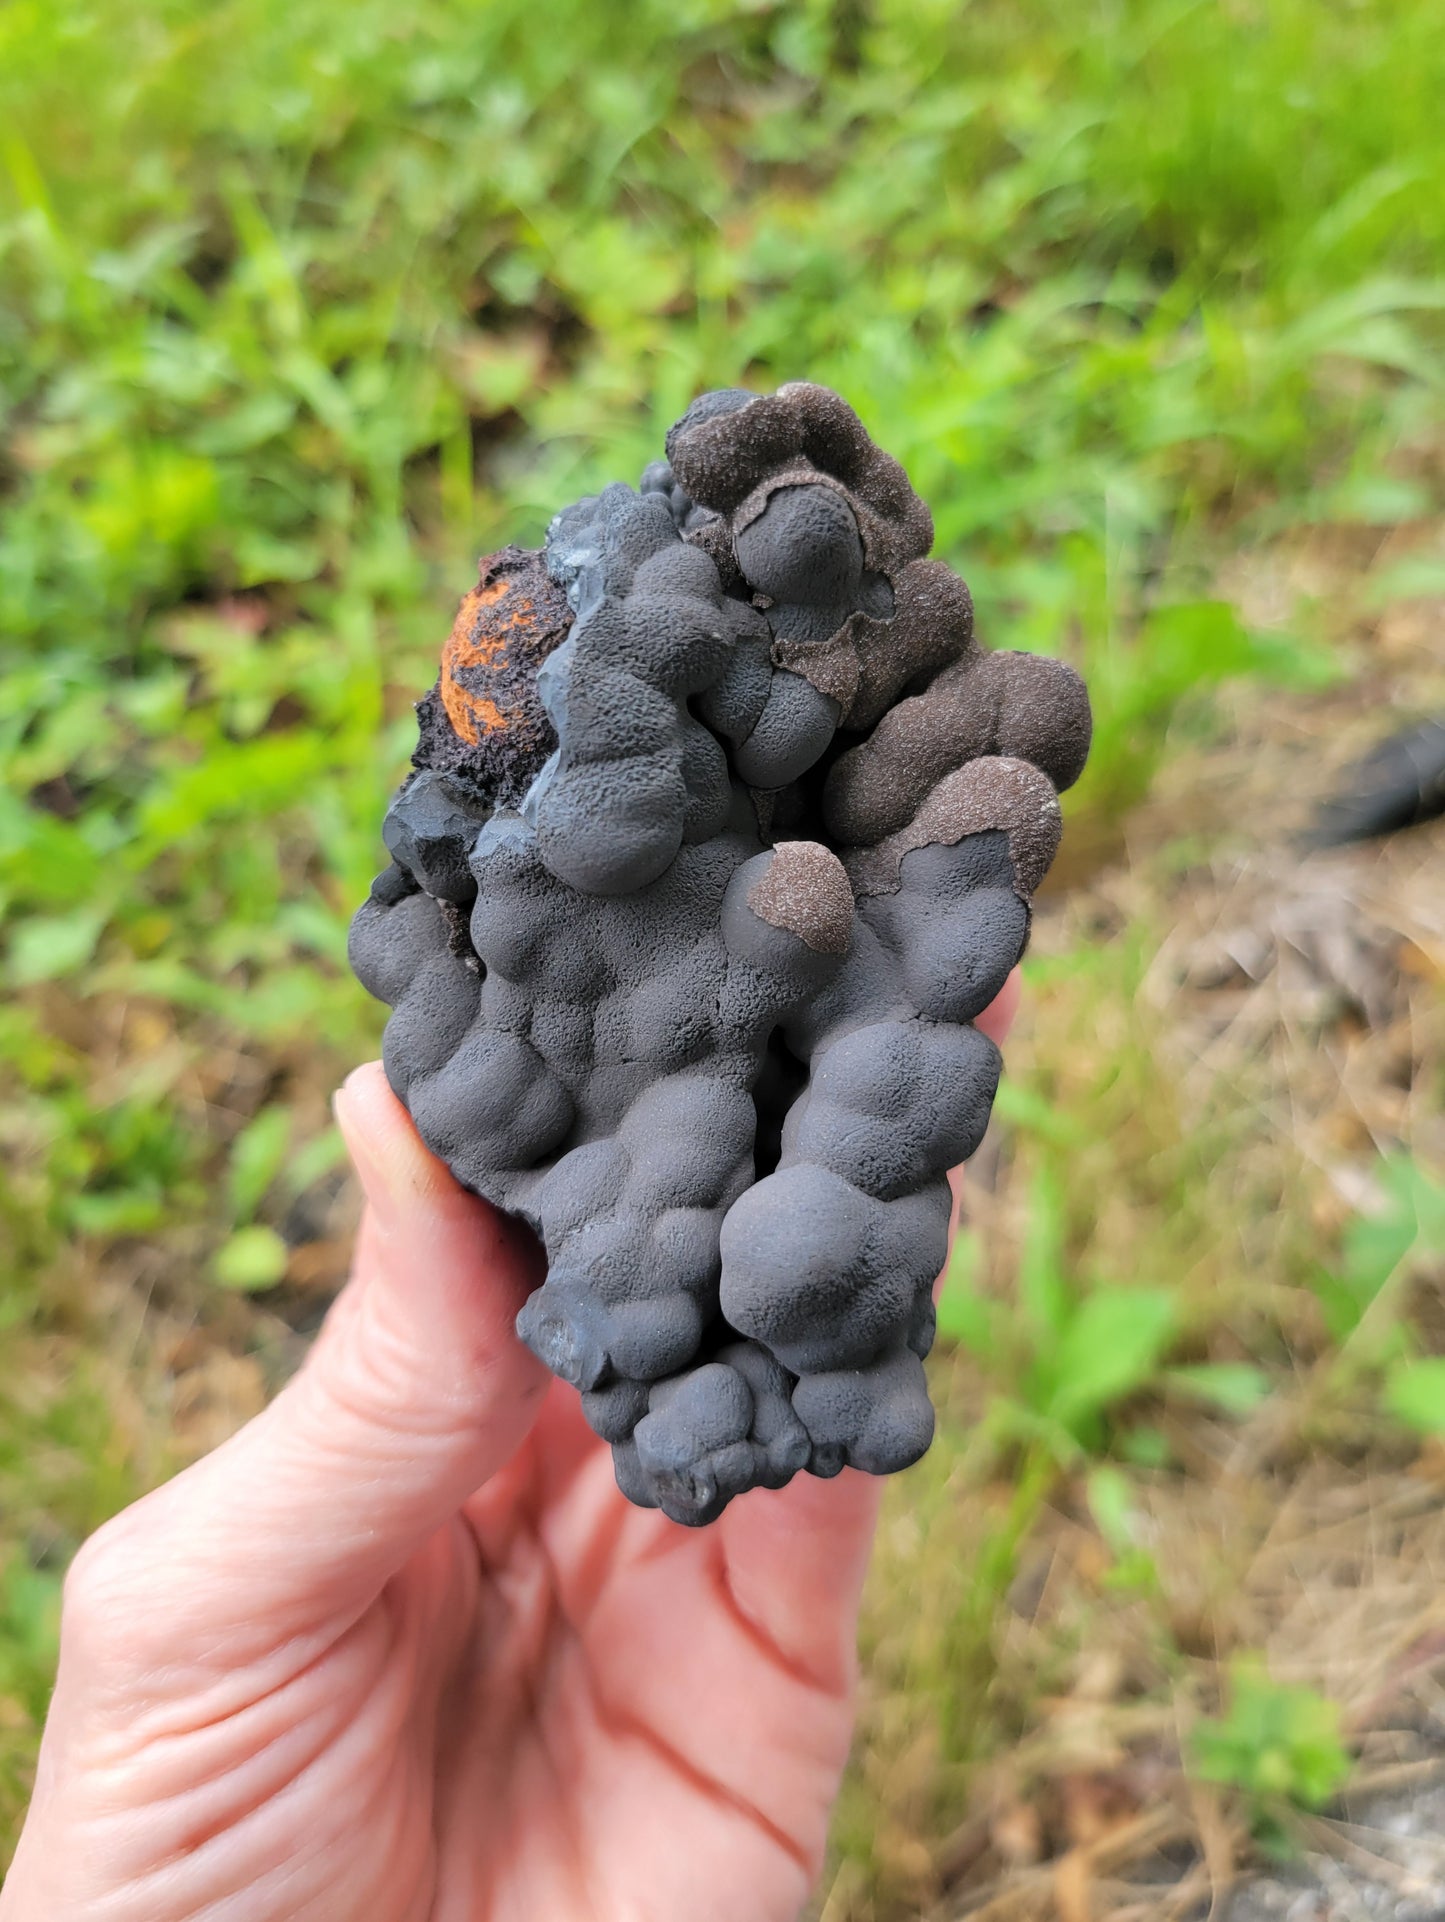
[(416, 1391), (796, 1559), (998, 1017)]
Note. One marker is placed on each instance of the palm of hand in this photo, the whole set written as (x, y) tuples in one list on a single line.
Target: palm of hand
[(561, 1706), (401, 1651), (627, 1733), (598, 1726)]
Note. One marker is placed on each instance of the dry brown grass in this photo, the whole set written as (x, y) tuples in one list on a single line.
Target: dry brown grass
[(1271, 1023)]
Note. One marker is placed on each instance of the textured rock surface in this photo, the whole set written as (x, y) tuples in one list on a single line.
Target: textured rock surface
[(723, 831), (1390, 1864)]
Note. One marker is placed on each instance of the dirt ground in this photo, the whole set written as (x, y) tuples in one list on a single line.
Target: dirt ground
[(1304, 988)]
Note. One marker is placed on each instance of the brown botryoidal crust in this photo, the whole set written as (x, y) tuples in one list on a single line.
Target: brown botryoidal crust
[(484, 719), (996, 792), (1021, 706), (806, 891)]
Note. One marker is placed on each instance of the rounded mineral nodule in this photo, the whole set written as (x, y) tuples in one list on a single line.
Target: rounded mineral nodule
[(722, 830)]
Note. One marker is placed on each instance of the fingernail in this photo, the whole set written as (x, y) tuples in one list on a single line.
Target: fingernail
[(383, 1182)]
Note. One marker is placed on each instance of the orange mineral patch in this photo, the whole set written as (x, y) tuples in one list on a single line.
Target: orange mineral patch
[(482, 637), (484, 717)]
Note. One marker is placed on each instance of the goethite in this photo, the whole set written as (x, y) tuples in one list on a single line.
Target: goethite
[(722, 831)]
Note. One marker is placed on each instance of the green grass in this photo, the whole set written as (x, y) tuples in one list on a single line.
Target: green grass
[(304, 305)]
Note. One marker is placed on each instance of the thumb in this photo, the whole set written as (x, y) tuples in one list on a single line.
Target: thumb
[(416, 1392)]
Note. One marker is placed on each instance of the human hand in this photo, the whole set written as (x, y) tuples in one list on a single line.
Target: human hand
[(400, 1651)]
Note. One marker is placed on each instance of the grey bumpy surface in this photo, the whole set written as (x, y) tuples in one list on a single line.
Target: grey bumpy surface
[(722, 830)]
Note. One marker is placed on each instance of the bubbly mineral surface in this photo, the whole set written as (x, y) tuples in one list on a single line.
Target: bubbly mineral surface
[(722, 830)]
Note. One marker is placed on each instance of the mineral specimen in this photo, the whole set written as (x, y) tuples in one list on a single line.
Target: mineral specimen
[(722, 830)]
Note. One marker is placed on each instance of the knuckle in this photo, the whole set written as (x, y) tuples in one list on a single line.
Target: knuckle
[(100, 1589)]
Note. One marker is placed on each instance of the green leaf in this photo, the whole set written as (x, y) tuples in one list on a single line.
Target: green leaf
[(1274, 1741), (1031, 1111), (1111, 1502), (1379, 1247), (1417, 1192), (1043, 1285), (254, 1258), (964, 1315), (52, 945), (29, 1633), (1419, 576), (1415, 1394), (257, 1155), (1111, 1349), (313, 1159), (1145, 1446), (1235, 1387), (117, 1211)]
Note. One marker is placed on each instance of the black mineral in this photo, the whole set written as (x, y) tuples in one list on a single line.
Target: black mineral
[(723, 831)]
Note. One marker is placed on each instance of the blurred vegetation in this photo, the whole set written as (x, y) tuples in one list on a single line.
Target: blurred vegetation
[(1280, 1745), (304, 305)]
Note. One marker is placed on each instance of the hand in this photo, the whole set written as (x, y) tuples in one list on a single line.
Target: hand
[(400, 1652)]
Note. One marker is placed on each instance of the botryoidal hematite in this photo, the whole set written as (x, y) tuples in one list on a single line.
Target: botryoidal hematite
[(722, 829)]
